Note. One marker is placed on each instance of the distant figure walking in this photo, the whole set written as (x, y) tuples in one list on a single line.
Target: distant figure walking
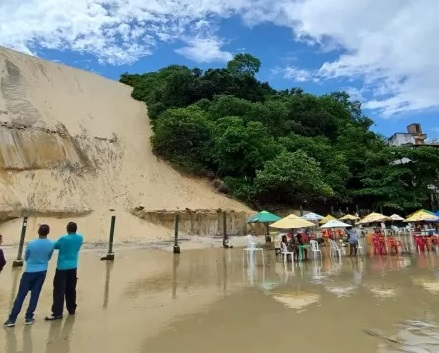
[(353, 241), (38, 253), (64, 283), (2, 256)]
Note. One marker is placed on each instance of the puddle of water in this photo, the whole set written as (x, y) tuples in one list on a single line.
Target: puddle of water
[(150, 301)]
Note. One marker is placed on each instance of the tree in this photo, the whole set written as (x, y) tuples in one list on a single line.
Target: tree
[(244, 64), (283, 146), (182, 136), (292, 177), (400, 178), (240, 149), (332, 163)]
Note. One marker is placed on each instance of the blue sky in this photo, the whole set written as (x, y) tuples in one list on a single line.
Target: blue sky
[(383, 55)]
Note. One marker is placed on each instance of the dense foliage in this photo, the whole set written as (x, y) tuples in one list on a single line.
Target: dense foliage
[(271, 146)]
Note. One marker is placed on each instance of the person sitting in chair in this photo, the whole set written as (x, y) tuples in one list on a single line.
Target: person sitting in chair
[(299, 242)]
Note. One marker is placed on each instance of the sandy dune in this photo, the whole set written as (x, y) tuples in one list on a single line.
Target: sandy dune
[(74, 145)]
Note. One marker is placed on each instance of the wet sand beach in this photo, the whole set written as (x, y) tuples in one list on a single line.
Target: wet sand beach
[(149, 300)]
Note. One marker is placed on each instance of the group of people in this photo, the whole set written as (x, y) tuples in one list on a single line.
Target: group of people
[(292, 242), (37, 256)]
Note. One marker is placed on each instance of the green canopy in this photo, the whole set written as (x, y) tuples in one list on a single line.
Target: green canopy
[(263, 217)]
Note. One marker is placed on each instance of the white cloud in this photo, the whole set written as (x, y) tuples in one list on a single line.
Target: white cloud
[(205, 50), (296, 74), (115, 31), (391, 46)]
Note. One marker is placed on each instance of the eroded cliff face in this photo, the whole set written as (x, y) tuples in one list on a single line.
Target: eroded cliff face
[(197, 222), (73, 144)]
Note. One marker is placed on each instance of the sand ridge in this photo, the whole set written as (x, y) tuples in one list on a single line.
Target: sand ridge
[(76, 145)]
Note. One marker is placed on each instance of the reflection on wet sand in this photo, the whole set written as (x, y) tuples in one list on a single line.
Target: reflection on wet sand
[(16, 272), (154, 301), (108, 268), (20, 344), (59, 336)]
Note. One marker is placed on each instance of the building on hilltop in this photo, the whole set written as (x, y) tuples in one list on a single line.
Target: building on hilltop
[(413, 137)]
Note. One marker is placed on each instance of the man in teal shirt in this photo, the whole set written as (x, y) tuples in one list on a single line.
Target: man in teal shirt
[(64, 283), (38, 253)]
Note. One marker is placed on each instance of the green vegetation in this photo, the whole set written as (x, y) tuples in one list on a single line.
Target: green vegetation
[(287, 147)]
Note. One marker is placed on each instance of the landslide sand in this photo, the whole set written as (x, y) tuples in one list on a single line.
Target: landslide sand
[(76, 145)]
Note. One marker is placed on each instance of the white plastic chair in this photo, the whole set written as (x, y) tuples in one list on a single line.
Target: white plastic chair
[(334, 249), (251, 248), (284, 252), (315, 249), (360, 248)]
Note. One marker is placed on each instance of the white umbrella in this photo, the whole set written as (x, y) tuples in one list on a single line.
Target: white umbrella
[(396, 217), (312, 217), (335, 223)]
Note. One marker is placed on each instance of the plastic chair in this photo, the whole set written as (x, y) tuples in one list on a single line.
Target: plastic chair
[(284, 252), (251, 244), (334, 249), (360, 248), (394, 245), (251, 248), (380, 247), (315, 249), (420, 245)]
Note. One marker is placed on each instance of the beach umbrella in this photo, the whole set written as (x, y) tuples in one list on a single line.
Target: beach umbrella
[(437, 213), (326, 219), (396, 218), (292, 222), (422, 216), (264, 217), (374, 217), (311, 216), (335, 223), (349, 217)]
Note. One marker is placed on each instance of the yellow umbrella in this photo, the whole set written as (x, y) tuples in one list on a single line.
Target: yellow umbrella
[(422, 215), (326, 219), (349, 217), (373, 217), (292, 222)]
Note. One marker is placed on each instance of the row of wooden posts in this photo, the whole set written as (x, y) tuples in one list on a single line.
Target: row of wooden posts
[(110, 254)]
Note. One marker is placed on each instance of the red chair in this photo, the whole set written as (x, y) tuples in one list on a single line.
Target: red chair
[(379, 246), (420, 244), (394, 245)]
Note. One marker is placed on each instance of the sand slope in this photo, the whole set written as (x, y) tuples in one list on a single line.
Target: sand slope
[(74, 144)]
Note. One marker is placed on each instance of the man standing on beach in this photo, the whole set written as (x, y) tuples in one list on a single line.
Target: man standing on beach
[(64, 283), (2, 256), (38, 253)]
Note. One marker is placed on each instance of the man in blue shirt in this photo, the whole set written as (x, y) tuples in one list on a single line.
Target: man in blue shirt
[(38, 253), (64, 283), (353, 241)]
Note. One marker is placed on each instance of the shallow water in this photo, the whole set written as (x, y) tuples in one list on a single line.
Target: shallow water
[(206, 300)]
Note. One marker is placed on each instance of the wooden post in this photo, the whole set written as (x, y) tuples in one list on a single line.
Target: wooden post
[(176, 246), (225, 245), (358, 210), (301, 210), (332, 209), (267, 233), (110, 254), (19, 261)]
